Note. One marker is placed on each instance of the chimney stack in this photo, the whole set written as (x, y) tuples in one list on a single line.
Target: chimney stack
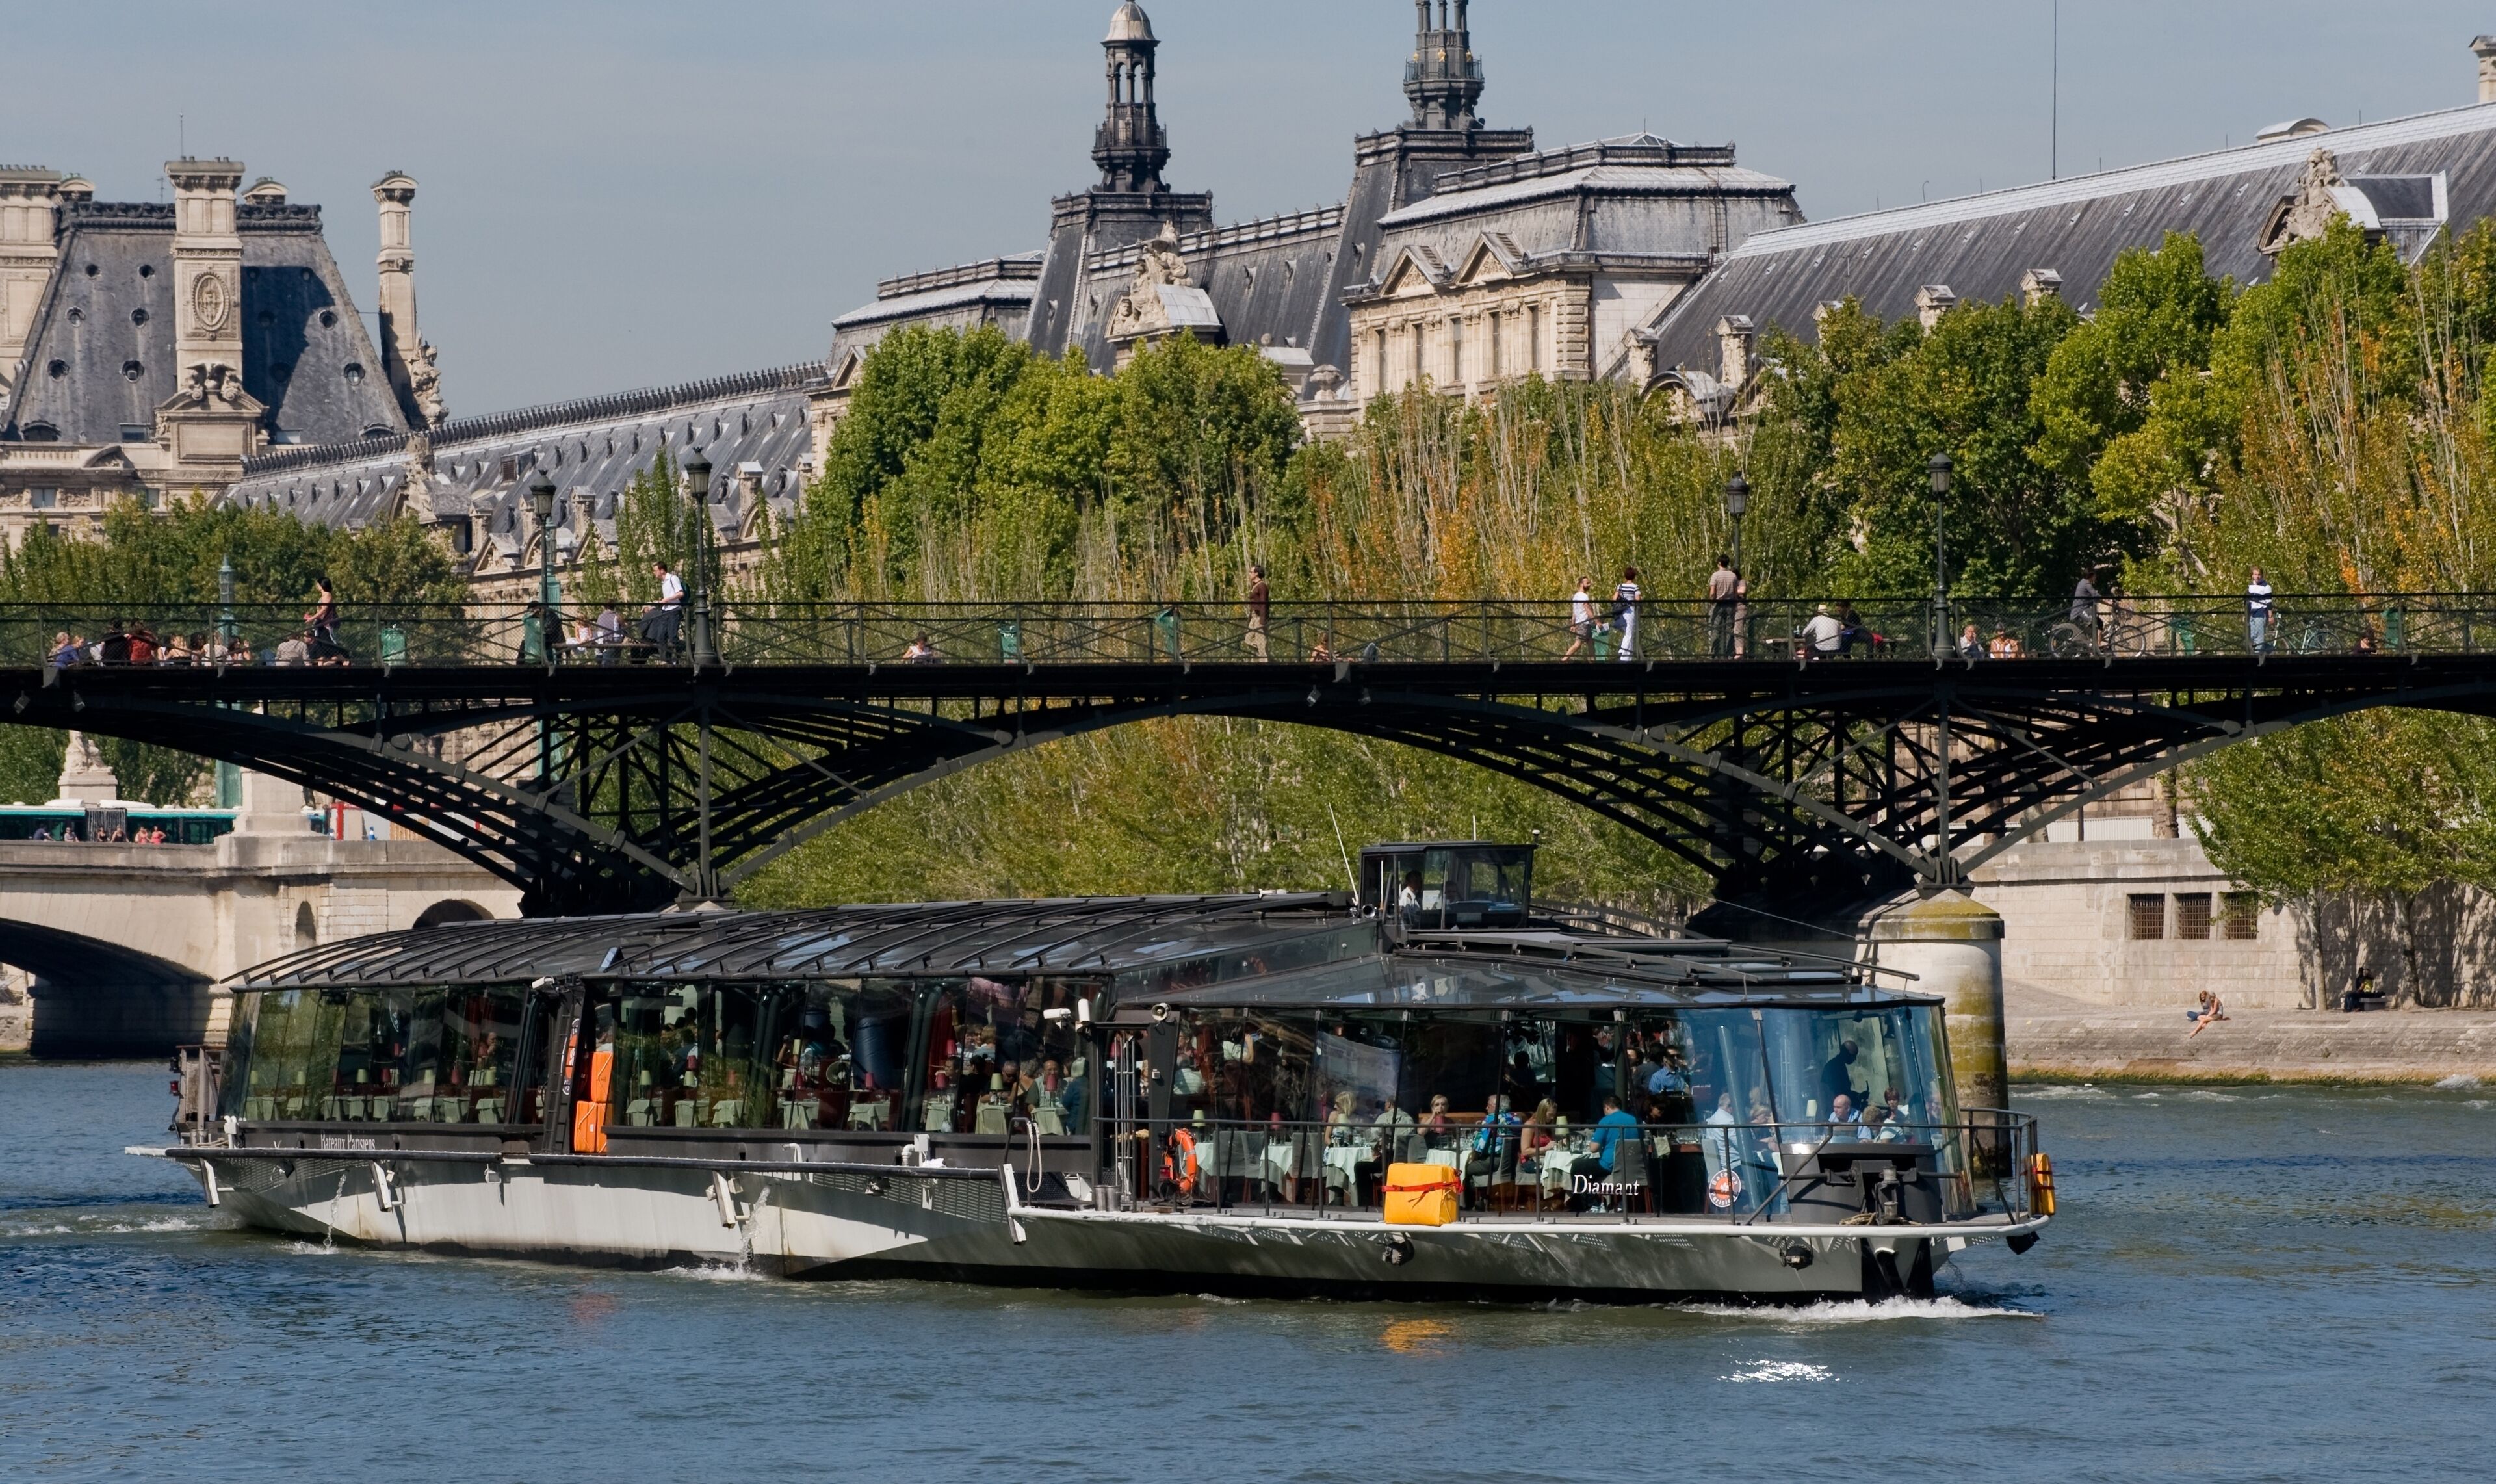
[(2485, 49), (30, 201), (2038, 285), (1734, 334), (1932, 301), (207, 268), (405, 356)]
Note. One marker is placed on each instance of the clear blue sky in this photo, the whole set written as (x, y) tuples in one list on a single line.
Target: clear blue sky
[(617, 192)]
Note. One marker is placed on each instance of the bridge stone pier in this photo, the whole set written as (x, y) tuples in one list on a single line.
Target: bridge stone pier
[(125, 943)]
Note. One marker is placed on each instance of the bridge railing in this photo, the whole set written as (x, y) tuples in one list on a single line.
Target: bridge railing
[(739, 631)]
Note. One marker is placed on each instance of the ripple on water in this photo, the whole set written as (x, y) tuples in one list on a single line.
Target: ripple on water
[(1781, 1371), (2458, 1083)]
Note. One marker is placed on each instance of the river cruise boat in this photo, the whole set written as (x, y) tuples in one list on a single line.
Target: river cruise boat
[(1446, 1093)]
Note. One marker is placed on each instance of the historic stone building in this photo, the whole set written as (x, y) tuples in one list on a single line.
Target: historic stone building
[(1458, 255), (149, 350), (2407, 181), (1455, 241)]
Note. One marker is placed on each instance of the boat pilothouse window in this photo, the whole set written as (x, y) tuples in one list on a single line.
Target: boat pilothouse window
[(1453, 885), (400, 1056)]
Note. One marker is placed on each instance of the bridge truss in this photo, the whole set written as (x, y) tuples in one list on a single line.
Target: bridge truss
[(625, 786)]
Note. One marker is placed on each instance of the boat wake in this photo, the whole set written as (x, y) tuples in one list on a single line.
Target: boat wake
[(1864, 1312)]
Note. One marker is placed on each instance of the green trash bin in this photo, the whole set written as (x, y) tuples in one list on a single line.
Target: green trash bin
[(1166, 632), (1009, 642), (393, 645)]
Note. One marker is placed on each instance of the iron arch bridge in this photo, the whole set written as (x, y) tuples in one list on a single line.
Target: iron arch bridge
[(1821, 751)]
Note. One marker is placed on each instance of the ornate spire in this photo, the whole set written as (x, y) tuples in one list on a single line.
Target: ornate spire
[(1130, 146), (1442, 80)]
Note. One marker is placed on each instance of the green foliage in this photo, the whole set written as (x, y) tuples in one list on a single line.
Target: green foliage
[(172, 559), (2018, 523)]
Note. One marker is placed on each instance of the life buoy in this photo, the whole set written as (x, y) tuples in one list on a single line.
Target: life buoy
[(1178, 1163), (1725, 1190)]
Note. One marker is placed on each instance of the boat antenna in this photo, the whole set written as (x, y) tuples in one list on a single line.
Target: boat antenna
[(1348, 874)]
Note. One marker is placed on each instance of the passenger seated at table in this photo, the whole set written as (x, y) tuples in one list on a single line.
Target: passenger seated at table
[(1615, 1127), (1878, 1128), (1439, 1133), (1841, 1112)]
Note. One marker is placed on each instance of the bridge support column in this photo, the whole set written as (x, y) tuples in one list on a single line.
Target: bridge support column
[(1952, 944)]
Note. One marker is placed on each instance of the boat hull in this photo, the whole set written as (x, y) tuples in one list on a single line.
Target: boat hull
[(968, 1226)]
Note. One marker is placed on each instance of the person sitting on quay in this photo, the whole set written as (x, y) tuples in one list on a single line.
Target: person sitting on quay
[(2208, 1011)]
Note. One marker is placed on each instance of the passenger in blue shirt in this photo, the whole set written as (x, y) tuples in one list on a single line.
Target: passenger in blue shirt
[(1611, 1130)]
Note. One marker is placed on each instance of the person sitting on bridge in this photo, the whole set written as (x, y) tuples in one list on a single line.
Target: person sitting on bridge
[(1971, 644), (1824, 636), (65, 653), (921, 651), (114, 648), (2005, 647), (294, 649)]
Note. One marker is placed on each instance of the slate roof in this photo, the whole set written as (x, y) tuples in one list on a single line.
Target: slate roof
[(1618, 203), (1266, 280), (100, 353), (1981, 245), (751, 427)]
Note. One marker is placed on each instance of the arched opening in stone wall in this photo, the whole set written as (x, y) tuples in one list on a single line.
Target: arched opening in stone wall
[(307, 933), (97, 998), (451, 910)]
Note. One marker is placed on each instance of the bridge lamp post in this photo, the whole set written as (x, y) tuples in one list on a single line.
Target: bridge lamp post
[(1945, 862), (1940, 470), (698, 551), (1737, 501), (542, 502)]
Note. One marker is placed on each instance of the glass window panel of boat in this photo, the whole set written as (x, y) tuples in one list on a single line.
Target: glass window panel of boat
[(692, 1056), (242, 1023), (839, 1055), (1728, 1087), (1453, 1067), (1660, 1056), (1889, 1059), (1256, 1064), (996, 1055), (294, 1054), (430, 1056)]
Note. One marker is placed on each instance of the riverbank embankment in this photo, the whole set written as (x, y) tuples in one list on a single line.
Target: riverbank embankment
[(2071, 1043)]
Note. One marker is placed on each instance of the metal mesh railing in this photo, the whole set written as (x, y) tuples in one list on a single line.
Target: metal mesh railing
[(750, 632)]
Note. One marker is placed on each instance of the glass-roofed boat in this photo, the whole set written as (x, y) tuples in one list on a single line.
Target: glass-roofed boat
[(1427, 1088)]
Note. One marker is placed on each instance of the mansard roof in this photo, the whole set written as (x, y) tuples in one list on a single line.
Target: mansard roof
[(751, 427), (2442, 165), (1632, 204), (100, 353)]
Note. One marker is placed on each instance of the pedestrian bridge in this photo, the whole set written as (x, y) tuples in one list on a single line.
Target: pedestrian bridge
[(1811, 749), (124, 943)]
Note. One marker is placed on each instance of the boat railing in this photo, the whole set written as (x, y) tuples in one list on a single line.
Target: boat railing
[(1979, 1166)]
